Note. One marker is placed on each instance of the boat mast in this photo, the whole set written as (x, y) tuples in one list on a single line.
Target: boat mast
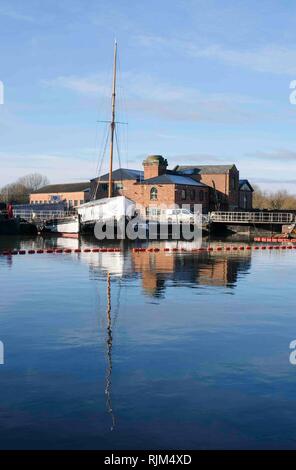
[(112, 124)]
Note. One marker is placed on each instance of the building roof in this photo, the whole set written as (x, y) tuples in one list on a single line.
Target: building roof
[(243, 182), (173, 178), (204, 169), (63, 188), (122, 174)]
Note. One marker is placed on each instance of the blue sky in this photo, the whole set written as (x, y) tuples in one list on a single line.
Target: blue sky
[(199, 82)]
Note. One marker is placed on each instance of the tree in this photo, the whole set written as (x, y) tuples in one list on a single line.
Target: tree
[(33, 181), (14, 193), (19, 191), (273, 200)]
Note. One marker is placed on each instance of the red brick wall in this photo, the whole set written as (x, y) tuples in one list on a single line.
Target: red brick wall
[(153, 169), (223, 184), (102, 188), (168, 194), (201, 196)]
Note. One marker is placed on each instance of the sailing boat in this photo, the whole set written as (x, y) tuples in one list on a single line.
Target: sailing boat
[(67, 225), (112, 207), (98, 210)]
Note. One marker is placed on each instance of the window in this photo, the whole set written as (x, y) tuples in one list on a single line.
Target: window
[(75, 203), (70, 202), (192, 194), (118, 186), (153, 194), (201, 195), (183, 194), (105, 187), (152, 211), (81, 201)]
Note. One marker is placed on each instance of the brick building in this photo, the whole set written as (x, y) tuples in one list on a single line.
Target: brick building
[(72, 194), (154, 186), (216, 187), (223, 181)]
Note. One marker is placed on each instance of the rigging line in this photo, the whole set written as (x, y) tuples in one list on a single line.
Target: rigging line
[(118, 154), (123, 105), (100, 166), (102, 153), (100, 114), (94, 147), (101, 149)]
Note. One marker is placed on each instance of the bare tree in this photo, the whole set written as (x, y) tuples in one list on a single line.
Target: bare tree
[(19, 191), (33, 181), (273, 200)]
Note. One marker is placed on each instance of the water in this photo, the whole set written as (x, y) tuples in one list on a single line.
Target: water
[(189, 350)]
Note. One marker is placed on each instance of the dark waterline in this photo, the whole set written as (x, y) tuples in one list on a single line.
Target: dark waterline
[(188, 350)]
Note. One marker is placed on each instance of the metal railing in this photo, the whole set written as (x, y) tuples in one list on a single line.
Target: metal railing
[(253, 217), (43, 215)]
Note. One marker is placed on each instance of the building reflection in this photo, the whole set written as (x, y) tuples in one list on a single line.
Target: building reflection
[(208, 270), (156, 270)]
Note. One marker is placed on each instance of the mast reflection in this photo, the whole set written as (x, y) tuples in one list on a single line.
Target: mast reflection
[(108, 383)]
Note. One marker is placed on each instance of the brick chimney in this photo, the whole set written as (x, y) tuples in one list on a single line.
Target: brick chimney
[(154, 165)]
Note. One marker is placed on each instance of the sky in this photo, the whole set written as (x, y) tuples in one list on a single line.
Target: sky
[(199, 82)]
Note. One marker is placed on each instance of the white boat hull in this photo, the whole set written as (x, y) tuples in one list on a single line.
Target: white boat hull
[(63, 226)]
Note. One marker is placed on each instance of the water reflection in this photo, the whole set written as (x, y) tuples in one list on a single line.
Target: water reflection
[(156, 270), (192, 366), (209, 270), (108, 386), (216, 268)]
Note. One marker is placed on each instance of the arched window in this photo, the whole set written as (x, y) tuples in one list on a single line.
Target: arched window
[(153, 194)]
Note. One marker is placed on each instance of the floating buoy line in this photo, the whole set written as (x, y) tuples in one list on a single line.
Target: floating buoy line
[(216, 248)]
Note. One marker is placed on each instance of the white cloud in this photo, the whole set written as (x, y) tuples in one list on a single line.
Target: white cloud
[(15, 14), (275, 155), (273, 58), (149, 95), (85, 85)]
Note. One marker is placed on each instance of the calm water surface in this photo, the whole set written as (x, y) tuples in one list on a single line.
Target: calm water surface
[(180, 350)]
